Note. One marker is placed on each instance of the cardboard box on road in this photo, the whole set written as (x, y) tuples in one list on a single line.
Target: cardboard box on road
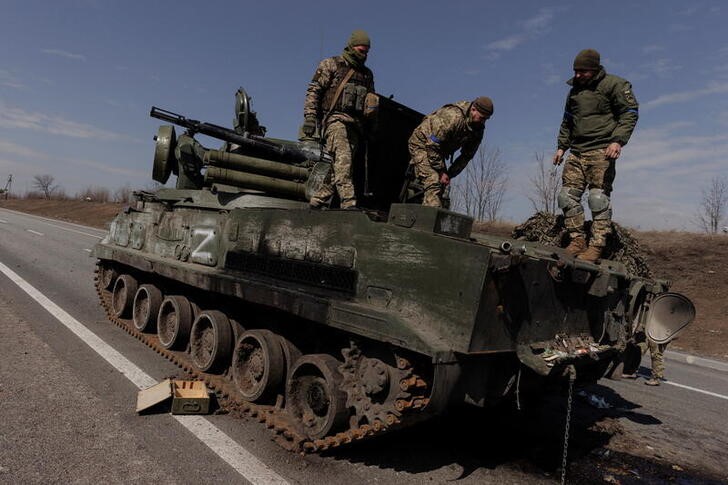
[(188, 397)]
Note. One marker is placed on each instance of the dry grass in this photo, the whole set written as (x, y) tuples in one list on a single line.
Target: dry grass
[(94, 214)]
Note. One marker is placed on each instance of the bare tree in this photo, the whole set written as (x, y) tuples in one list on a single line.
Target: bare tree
[(480, 189), (123, 194), (713, 206), (44, 183), (545, 184), (94, 193)]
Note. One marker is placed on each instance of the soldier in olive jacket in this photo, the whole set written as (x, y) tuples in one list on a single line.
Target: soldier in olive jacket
[(600, 115), (457, 126)]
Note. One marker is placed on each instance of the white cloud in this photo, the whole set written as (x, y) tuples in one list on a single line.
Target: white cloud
[(667, 148), (681, 97), (14, 85), (541, 22), (649, 49), (661, 67), (62, 53), (680, 28), (531, 29), (661, 173), (507, 44), (10, 148), (10, 80), (103, 167), (10, 152), (54, 125)]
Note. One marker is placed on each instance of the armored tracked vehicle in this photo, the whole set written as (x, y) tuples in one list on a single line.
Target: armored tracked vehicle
[(336, 325)]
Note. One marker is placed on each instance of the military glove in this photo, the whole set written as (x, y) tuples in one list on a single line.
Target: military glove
[(309, 127)]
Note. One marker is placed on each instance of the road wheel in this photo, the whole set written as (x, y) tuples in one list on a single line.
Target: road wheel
[(313, 395), (259, 365), (108, 276), (211, 341), (147, 301), (174, 322), (122, 296)]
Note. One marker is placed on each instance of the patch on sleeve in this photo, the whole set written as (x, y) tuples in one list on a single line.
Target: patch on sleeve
[(629, 96)]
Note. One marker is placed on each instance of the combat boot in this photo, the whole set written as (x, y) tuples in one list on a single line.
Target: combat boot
[(576, 246), (655, 381), (591, 254)]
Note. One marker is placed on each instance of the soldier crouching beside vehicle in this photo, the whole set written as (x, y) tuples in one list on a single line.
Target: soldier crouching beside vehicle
[(457, 126)]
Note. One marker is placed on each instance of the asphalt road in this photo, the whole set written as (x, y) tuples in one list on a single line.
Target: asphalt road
[(69, 381)]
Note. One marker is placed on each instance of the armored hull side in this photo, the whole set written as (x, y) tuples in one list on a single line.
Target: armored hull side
[(333, 326), (409, 315)]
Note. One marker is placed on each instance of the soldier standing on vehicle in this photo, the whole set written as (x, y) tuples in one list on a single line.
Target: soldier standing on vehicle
[(457, 126), (335, 105), (600, 115)]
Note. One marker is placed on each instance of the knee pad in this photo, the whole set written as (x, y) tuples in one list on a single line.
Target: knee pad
[(599, 204), (568, 197)]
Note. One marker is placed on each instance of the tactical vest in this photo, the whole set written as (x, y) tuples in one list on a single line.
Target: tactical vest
[(351, 99)]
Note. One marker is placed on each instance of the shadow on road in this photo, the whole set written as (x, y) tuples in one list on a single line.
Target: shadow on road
[(530, 441)]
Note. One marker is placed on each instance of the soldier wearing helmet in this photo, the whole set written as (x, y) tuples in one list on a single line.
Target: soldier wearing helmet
[(457, 126), (599, 118), (335, 105)]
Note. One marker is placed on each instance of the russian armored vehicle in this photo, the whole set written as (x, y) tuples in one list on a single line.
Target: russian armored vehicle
[(337, 325)]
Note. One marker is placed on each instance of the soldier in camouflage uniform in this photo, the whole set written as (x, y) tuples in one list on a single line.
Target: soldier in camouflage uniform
[(335, 103), (657, 357), (455, 126), (600, 115)]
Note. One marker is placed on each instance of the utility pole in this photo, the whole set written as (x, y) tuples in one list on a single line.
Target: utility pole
[(8, 186)]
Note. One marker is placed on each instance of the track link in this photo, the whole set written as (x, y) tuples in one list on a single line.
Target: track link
[(407, 409)]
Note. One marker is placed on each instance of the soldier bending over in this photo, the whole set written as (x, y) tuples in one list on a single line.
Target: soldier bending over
[(457, 126)]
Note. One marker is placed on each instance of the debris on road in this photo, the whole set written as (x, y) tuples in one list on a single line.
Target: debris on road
[(187, 397)]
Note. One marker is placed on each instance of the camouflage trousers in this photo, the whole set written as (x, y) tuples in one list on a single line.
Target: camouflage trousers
[(657, 356), (593, 171), (342, 142), (422, 163)]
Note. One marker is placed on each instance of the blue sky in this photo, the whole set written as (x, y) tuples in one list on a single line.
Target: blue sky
[(77, 79)]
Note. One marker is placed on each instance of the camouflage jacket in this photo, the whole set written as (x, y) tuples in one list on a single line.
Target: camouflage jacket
[(323, 86), (602, 112), (445, 131)]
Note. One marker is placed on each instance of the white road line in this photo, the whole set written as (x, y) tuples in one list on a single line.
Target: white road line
[(74, 230), (721, 396), (87, 250), (3, 221), (48, 221), (35, 232), (225, 447)]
